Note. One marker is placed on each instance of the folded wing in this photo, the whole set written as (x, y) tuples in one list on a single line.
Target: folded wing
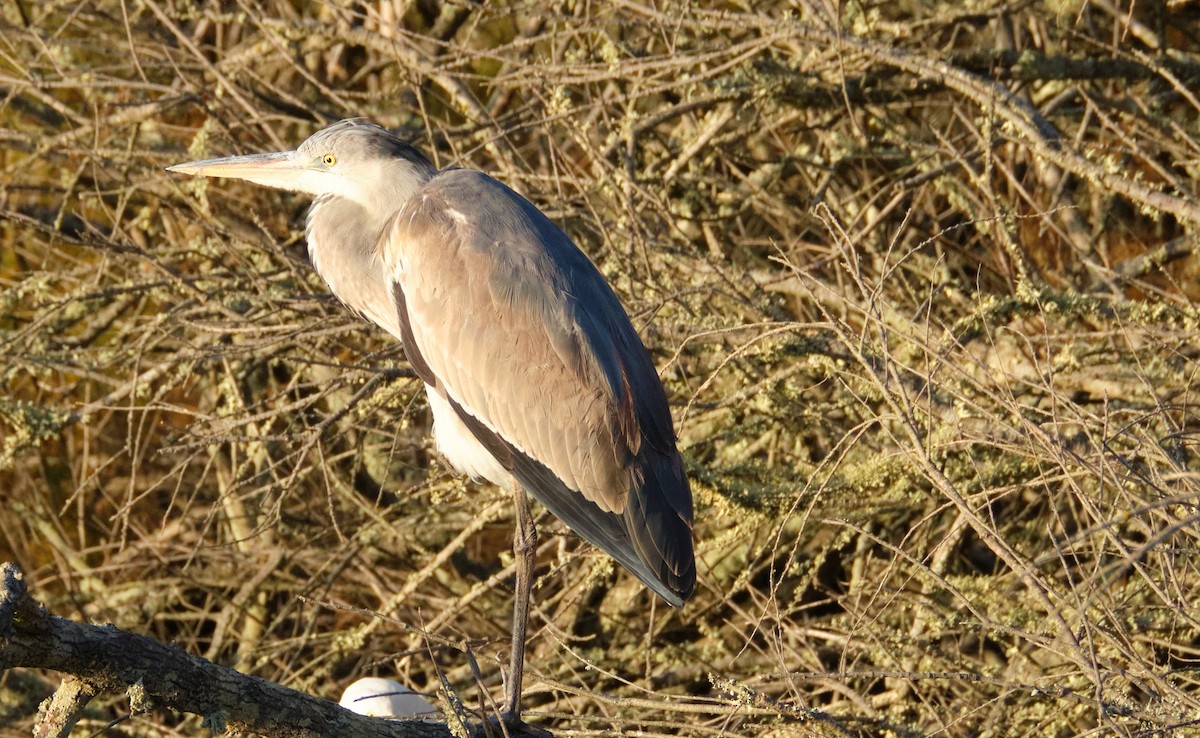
[(511, 322)]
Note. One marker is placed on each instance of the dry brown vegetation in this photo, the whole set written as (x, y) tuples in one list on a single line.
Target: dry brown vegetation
[(918, 277)]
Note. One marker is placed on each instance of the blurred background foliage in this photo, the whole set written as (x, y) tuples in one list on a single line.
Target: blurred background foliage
[(919, 278)]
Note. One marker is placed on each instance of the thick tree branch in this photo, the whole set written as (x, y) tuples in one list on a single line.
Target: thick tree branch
[(103, 658)]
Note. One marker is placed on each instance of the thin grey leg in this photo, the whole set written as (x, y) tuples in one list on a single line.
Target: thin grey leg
[(524, 548)]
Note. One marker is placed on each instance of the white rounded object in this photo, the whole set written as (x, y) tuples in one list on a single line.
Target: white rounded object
[(385, 698)]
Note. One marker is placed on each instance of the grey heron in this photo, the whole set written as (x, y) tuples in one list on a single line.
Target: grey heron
[(536, 379)]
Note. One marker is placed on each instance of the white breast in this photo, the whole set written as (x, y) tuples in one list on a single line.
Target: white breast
[(455, 442)]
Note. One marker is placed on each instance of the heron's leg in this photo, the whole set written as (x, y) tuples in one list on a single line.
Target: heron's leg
[(524, 548)]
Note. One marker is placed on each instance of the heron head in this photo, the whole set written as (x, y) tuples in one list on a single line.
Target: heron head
[(353, 158)]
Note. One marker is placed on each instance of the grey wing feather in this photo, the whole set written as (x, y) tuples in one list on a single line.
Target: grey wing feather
[(654, 565), (538, 357)]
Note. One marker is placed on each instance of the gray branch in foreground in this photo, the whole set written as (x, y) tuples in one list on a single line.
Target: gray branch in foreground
[(106, 659)]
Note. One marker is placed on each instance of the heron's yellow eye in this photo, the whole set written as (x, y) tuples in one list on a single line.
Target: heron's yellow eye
[(329, 160)]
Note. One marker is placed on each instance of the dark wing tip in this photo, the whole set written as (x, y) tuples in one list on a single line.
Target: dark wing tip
[(674, 586), (658, 517), (651, 538)]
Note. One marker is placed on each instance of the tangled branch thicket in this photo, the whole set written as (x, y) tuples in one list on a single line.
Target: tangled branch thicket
[(918, 278)]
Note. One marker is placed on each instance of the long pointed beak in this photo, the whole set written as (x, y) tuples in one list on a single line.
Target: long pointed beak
[(281, 169)]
